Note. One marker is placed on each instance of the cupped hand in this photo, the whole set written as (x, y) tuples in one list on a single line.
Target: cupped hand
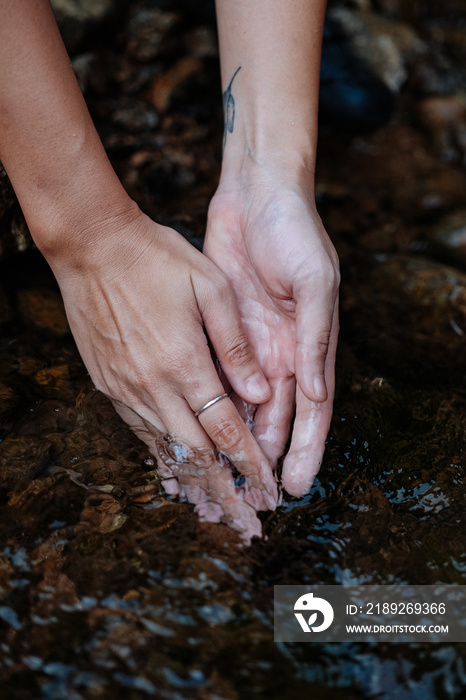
[(140, 304), (270, 242)]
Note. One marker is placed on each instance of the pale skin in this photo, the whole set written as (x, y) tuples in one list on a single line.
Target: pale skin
[(140, 300)]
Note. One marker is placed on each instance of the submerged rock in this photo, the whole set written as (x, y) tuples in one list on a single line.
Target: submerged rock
[(409, 315), (43, 308), (447, 239)]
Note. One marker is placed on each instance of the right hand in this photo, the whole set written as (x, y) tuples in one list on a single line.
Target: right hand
[(138, 304)]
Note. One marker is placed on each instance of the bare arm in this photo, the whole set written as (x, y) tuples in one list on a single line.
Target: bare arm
[(137, 295), (264, 231)]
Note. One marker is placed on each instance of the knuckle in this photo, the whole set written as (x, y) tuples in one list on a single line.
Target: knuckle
[(330, 275), (221, 287), (322, 342), (178, 367), (226, 435), (239, 352)]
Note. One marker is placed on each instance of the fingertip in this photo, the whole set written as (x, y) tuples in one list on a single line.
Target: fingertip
[(299, 472), (313, 386), (297, 487), (320, 388), (257, 388)]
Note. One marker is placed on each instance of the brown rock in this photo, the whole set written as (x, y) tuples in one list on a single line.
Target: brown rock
[(148, 28), (443, 118), (450, 236), (43, 308), (166, 85), (410, 315)]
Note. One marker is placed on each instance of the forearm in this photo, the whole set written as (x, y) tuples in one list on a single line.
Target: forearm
[(277, 45), (48, 143)]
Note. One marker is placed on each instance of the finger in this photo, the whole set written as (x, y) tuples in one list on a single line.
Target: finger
[(206, 476), (153, 436), (310, 429), (230, 342), (214, 492), (315, 316), (304, 457), (273, 418), (228, 432)]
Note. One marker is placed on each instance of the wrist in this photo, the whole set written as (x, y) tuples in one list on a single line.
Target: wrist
[(261, 148), (79, 207), (245, 167)]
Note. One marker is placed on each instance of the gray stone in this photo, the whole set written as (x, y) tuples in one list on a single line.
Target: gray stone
[(76, 18), (386, 46)]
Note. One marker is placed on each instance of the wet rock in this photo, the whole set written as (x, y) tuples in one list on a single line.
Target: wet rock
[(135, 116), (432, 194), (148, 30), (352, 97), (43, 309), (54, 382), (103, 513), (447, 239), (77, 19), (166, 85), (386, 46), (48, 417), (202, 42), (415, 310), (8, 399), (21, 459), (444, 120)]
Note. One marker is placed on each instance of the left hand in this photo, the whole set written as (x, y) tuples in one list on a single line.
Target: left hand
[(269, 241)]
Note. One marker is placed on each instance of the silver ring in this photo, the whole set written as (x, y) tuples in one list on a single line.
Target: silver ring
[(210, 403)]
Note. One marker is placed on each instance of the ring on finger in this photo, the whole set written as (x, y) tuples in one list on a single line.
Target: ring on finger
[(209, 404)]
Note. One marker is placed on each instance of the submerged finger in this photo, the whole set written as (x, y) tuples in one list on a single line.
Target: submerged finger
[(204, 473), (230, 435), (272, 421), (304, 457), (310, 430)]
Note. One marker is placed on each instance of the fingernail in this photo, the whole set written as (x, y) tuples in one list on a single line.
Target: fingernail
[(320, 387), (257, 387)]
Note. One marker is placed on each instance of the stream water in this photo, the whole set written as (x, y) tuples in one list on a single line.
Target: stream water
[(108, 588)]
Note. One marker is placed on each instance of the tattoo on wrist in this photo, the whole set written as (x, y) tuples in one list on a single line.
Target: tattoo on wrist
[(229, 109)]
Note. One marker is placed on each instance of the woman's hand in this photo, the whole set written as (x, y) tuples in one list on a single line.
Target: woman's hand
[(268, 239), (138, 305)]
